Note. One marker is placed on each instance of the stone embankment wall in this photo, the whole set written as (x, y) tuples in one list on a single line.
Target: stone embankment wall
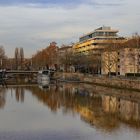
[(105, 81)]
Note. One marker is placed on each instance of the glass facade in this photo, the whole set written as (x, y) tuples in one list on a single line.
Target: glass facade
[(100, 32)]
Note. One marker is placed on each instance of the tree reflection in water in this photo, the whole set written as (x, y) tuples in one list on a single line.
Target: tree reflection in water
[(2, 97), (20, 94)]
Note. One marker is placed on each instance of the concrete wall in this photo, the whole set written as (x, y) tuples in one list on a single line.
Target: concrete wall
[(116, 82), (105, 81)]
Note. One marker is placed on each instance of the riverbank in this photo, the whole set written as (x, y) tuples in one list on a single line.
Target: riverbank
[(133, 84)]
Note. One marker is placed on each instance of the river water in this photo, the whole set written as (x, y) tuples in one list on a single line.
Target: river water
[(69, 112)]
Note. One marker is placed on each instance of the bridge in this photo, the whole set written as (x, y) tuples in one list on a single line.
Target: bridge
[(17, 76)]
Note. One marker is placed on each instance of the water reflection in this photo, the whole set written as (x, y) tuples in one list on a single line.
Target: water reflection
[(2, 98), (19, 91), (100, 107)]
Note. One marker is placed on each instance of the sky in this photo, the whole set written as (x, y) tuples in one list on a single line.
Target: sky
[(33, 24)]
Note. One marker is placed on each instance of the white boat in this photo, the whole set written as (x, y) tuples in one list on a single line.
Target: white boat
[(44, 76)]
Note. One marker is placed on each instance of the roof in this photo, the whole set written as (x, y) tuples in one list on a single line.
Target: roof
[(101, 29), (65, 47)]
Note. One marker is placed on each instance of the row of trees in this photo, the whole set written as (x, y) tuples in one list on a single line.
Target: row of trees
[(81, 62), (12, 63), (50, 57)]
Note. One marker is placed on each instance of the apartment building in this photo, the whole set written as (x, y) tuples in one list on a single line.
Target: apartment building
[(129, 61), (122, 61)]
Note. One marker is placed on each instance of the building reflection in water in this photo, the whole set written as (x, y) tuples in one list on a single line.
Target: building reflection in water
[(101, 107), (100, 110)]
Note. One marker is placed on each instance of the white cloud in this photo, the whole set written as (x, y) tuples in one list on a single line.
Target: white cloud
[(33, 28)]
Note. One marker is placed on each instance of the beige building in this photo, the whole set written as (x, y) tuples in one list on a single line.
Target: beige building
[(129, 61), (124, 61)]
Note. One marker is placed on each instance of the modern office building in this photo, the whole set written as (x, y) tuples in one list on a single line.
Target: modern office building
[(97, 40)]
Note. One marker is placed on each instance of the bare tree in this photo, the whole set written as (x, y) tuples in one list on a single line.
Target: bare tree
[(2, 55), (66, 59), (110, 57), (94, 61), (16, 58), (2, 52)]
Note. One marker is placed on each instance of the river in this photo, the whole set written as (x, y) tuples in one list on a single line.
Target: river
[(69, 111)]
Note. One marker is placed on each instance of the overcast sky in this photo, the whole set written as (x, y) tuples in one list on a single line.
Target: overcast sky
[(33, 24)]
